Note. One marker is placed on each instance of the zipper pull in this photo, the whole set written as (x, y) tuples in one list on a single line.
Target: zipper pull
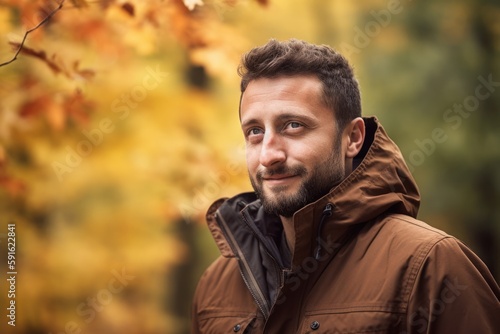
[(328, 210)]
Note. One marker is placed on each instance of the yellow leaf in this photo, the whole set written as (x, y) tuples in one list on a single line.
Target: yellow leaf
[(5, 20)]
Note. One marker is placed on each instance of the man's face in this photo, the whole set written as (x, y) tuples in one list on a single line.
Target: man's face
[(294, 150)]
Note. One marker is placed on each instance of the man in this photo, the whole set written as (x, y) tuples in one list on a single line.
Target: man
[(328, 242)]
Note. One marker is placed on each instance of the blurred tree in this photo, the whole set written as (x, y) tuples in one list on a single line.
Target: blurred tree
[(427, 81)]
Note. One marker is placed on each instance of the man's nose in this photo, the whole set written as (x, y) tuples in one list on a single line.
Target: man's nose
[(272, 150)]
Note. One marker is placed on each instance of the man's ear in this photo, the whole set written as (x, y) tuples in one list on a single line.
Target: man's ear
[(354, 133)]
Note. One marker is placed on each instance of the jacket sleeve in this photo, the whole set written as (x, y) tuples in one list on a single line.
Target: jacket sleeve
[(453, 292), (194, 320), (195, 326)]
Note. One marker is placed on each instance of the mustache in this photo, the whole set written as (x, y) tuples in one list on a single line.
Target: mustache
[(281, 170)]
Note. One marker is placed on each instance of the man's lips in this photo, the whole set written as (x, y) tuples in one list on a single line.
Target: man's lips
[(281, 175), (277, 177)]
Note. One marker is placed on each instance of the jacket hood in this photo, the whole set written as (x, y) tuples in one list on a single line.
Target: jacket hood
[(380, 184)]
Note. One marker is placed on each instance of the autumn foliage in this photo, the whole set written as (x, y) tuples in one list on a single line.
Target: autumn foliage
[(119, 127), (106, 150)]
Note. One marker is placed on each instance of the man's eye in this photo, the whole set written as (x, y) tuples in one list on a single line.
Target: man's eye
[(294, 125), (254, 132)]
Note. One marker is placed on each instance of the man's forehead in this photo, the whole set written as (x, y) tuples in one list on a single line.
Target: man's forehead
[(306, 78), (297, 95)]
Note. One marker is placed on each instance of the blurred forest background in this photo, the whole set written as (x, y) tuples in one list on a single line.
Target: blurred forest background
[(119, 127)]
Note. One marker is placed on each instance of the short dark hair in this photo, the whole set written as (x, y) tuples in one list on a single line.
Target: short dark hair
[(294, 57)]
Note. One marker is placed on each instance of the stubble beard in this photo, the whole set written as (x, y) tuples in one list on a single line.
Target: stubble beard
[(316, 184)]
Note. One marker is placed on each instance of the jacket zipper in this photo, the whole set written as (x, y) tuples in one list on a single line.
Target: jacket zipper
[(327, 212), (246, 272), (280, 272)]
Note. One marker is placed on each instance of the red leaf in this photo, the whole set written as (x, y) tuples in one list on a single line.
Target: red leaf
[(129, 8), (35, 106), (14, 187)]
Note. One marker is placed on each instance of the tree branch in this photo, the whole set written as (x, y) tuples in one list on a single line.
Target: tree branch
[(45, 20)]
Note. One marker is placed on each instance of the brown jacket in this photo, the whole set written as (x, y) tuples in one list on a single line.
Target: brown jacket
[(362, 263)]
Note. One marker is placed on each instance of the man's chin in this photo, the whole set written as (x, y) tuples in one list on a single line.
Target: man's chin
[(282, 205), (278, 209), (278, 194)]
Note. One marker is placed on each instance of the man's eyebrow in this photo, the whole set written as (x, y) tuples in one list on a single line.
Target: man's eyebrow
[(302, 117), (249, 122), (281, 118)]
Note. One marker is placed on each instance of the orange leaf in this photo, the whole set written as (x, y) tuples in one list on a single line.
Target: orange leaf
[(78, 107), (2, 157), (56, 116), (35, 106), (85, 73), (14, 187)]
